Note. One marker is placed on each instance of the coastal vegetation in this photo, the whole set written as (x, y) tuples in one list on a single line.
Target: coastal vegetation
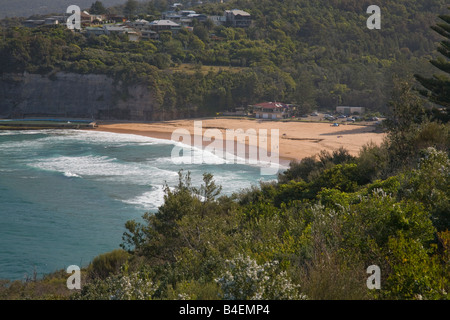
[(310, 235), (313, 233)]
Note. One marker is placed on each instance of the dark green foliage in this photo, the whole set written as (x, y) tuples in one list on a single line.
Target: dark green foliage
[(314, 54), (98, 8), (322, 233), (130, 8), (107, 264), (438, 87)]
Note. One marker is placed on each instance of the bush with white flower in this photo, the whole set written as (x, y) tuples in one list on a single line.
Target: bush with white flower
[(135, 286), (245, 279)]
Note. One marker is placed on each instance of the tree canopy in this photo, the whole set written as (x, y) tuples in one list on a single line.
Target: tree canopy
[(313, 53), (438, 87), (98, 8)]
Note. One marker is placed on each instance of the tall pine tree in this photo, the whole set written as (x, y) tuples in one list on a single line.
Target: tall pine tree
[(98, 8), (437, 88)]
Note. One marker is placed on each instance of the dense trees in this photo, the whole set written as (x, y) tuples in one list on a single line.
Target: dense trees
[(98, 8), (130, 8), (310, 53)]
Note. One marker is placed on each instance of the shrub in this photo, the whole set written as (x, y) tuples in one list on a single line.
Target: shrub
[(245, 279), (107, 264), (124, 286), (415, 274)]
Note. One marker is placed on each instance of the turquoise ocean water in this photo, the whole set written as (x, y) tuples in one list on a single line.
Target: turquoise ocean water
[(65, 195)]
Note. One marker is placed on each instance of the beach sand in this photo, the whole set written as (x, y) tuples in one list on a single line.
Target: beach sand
[(297, 139)]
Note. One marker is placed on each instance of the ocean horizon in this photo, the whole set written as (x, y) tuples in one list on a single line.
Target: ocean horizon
[(65, 195)]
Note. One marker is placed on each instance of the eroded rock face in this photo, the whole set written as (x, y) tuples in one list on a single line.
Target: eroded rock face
[(90, 96)]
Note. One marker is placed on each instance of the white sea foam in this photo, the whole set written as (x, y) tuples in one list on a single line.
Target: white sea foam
[(71, 175), (8, 133), (21, 145), (186, 154), (121, 139), (149, 200), (102, 167), (21, 132)]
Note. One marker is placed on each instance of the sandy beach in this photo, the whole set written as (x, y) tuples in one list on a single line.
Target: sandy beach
[(297, 140)]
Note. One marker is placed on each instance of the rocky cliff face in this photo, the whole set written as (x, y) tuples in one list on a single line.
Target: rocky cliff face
[(73, 95)]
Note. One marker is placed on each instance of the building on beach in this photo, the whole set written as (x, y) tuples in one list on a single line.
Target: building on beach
[(272, 110)]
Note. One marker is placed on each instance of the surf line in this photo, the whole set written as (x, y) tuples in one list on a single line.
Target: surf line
[(260, 152)]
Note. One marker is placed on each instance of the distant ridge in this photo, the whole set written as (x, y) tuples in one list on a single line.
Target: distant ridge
[(26, 8)]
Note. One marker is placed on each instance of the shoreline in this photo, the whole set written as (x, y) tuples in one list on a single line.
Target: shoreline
[(297, 140), (165, 135)]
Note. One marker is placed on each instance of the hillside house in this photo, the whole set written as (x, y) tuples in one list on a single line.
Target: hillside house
[(161, 25), (86, 18), (238, 18), (132, 34), (139, 24), (33, 23), (95, 31)]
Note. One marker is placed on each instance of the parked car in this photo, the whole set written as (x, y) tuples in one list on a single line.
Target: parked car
[(351, 119), (314, 114)]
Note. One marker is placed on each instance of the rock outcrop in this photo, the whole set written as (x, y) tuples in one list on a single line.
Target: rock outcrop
[(89, 96)]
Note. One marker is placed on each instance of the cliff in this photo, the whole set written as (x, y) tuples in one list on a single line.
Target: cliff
[(90, 96)]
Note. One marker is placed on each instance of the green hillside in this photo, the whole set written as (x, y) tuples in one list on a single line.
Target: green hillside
[(313, 53)]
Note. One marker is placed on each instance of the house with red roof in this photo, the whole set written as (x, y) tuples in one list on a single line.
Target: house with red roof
[(272, 110)]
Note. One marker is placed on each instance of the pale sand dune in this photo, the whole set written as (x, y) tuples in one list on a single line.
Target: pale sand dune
[(297, 139)]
